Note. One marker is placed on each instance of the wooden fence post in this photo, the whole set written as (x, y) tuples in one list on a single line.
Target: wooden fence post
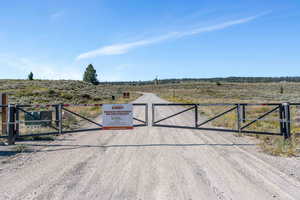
[(3, 101)]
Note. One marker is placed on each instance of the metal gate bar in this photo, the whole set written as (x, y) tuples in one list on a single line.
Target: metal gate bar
[(174, 115), (260, 117), (284, 118), (82, 117), (217, 116)]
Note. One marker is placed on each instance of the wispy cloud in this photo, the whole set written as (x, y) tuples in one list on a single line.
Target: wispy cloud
[(116, 49), (57, 15)]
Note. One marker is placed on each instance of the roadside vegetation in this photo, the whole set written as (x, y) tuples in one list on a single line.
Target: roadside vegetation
[(231, 92)]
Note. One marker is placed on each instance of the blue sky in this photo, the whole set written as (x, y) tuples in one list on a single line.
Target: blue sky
[(141, 39)]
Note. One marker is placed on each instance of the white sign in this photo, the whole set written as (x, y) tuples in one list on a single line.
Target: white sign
[(117, 116)]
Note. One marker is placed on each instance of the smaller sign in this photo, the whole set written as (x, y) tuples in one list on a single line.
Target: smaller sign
[(42, 118), (117, 116)]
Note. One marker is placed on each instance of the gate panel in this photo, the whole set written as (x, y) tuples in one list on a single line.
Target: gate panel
[(174, 115), (267, 119), (38, 120)]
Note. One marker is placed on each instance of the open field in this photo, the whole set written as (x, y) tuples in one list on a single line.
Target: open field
[(226, 92), (60, 91)]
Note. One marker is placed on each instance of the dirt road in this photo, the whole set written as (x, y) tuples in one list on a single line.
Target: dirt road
[(149, 163)]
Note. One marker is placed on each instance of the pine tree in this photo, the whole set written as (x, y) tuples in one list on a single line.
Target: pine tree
[(30, 76), (281, 89), (90, 75)]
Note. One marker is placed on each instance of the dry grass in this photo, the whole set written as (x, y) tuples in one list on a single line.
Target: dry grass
[(59, 91), (20, 148)]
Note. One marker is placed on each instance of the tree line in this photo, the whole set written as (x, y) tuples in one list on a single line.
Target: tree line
[(90, 76)]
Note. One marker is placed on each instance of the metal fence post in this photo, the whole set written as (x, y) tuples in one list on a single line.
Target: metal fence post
[(17, 121), (153, 114), (60, 118), (146, 115), (196, 116), (243, 113), (281, 118), (238, 112), (11, 124), (287, 120), (56, 115)]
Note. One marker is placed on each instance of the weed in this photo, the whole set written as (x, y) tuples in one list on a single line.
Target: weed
[(20, 148), (278, 146), (37, 138)]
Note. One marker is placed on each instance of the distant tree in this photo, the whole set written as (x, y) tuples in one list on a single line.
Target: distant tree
[(218, 83), (156, 81), (90, 75), (281, 89), (30, 76)]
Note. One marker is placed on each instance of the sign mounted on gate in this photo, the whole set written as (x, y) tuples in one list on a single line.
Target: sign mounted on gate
[(117, 116)]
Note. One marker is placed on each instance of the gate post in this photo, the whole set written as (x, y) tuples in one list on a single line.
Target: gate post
[(17, 121), (56, 115), (153, 117), (281, 118), (196, 116), (60, 118), (243, 113), (11, 124), (146, 115), (287, 121), (238, 112)]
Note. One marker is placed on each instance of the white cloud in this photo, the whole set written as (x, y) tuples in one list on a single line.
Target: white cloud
[(117, 49), (56, 15), (40, 70), (124, 48)]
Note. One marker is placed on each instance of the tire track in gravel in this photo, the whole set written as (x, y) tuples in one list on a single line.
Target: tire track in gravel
[(267, 176)]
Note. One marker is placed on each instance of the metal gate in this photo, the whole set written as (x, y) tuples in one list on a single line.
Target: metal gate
[(55, 119), (281, 117), (58, 116)]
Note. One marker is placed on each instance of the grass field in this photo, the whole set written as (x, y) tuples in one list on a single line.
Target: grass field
[(60, 91), (225, 92)]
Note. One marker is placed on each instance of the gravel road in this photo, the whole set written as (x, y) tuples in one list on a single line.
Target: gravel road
[(150, 163)]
